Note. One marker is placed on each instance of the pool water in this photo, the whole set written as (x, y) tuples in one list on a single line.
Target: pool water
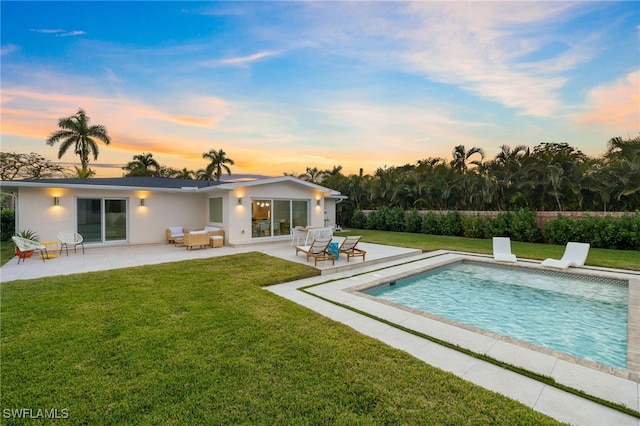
[(583, 317)]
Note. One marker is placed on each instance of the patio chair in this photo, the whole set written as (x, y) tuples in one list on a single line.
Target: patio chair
[(502, 250), (317, 250), (70, 238), (175, 234), (29, 246), (297, 234), (575, 254), (349, 248)]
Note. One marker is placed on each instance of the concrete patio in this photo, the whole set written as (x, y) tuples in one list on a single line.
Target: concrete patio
[(99, 258), (380, 261)]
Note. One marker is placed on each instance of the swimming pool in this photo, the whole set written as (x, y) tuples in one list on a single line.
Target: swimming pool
[(582, 316)]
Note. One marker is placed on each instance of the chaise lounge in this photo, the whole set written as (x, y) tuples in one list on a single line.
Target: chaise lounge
[(349, 248), (502, 250), (318, 251), (575, 254)]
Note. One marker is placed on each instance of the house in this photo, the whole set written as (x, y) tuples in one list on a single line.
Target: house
[(138, 210)]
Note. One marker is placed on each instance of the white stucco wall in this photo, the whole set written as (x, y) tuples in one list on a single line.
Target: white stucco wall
[(238, 227), (162, 209), (147, 223)]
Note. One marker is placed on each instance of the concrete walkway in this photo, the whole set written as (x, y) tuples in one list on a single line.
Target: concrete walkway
[(381, 261)]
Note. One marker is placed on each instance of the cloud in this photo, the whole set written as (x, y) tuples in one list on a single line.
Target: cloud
[(72, 33), (492, 50), (59, 32), (9, 48), (241, 61), (615, 105)]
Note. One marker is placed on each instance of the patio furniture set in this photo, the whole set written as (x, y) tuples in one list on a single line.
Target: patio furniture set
[(210, 236), (26, 247)]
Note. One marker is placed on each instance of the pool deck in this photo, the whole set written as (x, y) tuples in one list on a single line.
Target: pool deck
[(330, 295), (337, 284)]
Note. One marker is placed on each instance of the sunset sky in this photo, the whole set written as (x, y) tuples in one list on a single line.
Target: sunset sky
[(282, 86)]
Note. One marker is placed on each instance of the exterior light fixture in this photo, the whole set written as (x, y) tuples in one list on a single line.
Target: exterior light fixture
[(318, 203), (56, 201), (239, 201), (141, 202)]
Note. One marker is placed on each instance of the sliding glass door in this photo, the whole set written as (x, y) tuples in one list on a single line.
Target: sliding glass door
[(102, 219), (276, 217)]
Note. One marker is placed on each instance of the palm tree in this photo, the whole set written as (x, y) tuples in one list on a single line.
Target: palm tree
[(461, 155), (184, 174), (77, 132), (142, 165), (313, 175), (218, 163)]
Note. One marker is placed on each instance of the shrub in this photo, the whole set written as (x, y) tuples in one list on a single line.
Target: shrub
[(523, 227), (473, 227), (430, 224), (394, 219), (413, 221), (451, 224), (359, 220), (7, 224), (375, 219), (601, 232), (500, 226)]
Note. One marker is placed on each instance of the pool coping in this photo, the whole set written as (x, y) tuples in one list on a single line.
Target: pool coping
[(608, 383)]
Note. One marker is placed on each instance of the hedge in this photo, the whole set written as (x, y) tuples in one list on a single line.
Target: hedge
[(601, 232)]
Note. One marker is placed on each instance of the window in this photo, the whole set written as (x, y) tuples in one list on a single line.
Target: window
[(215, 210), (277, 217)]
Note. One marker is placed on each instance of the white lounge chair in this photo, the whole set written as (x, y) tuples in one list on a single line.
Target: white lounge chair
[(25, 246), (575, 254), (502, 250), (70, 238)]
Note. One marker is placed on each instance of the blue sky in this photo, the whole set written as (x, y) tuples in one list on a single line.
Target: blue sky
[(282, 86)]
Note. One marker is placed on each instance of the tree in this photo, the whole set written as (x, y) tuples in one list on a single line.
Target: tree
[(461, 155), (218, 163), (313, 175), (184, 174), (142, 165), (15, 165), (77, 132)]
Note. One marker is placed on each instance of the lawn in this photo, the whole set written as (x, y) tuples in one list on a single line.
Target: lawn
[(201, 342), (622, 259)]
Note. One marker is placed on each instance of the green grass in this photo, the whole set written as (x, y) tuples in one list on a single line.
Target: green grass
[(622, 259), (201, 342)]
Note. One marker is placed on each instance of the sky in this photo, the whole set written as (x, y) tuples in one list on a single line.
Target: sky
[(282, 86)]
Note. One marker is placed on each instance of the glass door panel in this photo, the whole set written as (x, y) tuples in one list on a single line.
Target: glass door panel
[(115, 223), (299, 213), (89, 213), (281, 217), (260, 218)]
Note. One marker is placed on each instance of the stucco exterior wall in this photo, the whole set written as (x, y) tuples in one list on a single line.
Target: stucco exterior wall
[(164, 208), (238, 227), (147, 223)]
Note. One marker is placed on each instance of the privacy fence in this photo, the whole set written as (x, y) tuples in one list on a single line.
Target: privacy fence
[(620, 230)]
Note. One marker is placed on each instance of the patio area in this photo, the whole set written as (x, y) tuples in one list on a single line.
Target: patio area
[(124, 256)]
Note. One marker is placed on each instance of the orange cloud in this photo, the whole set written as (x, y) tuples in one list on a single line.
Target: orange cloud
[(615, 105)]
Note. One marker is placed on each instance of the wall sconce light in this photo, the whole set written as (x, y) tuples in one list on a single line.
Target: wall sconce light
[(56, 201), (318, 203), (141, 202), (239, 201)]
